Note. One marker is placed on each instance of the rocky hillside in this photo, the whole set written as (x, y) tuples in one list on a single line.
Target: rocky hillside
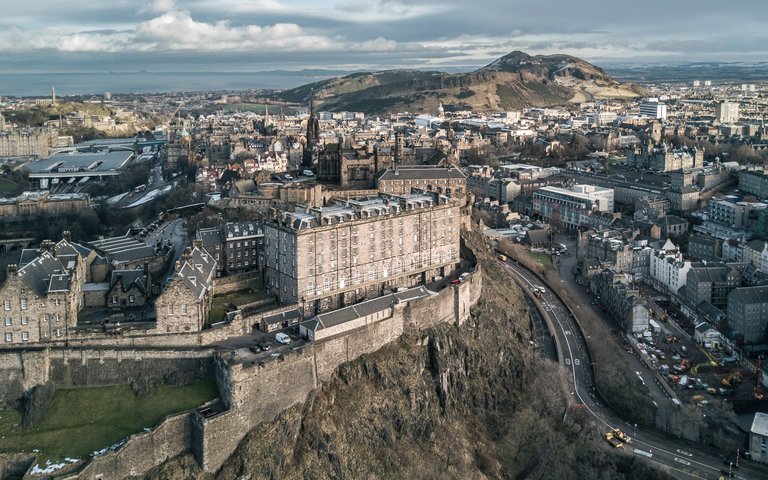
[(447, 403), (513, 81)]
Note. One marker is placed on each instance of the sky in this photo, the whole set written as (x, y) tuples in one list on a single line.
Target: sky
[(259, 35)]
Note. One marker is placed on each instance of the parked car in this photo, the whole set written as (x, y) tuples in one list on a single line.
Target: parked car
[(308, 173), (282, 338), (263, 345), (255, 349)]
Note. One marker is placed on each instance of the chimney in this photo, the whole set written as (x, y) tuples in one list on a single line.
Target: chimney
[(13, 269), (67, 235)]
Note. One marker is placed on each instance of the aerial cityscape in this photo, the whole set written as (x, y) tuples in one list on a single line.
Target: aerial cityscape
[(275, 239)]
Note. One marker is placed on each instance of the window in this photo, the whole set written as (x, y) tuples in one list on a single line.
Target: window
[(23, 303), (8, 337), (131, 299), (58, 332), (326, 283), (8, 321), (24, 320), (372, 273), (114, 299), (170, 309), (7, 304), (24, 336), (184, 309)]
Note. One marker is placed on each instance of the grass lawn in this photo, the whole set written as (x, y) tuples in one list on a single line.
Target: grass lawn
[(82, 420), (541, 258), (7, 187)]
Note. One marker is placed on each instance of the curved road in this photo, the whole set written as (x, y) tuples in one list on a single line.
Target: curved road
[(682, 459)]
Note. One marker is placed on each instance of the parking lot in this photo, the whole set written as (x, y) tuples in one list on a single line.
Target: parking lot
[(261, 346)]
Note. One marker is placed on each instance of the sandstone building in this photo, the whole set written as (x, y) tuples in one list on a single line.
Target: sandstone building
[(327, 258)]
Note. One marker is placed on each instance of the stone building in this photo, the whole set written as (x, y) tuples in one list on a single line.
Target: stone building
[(754, 182), (33, 204), (41, 299), (185, 303), (129, 288), (711, 284), (450, 182), (748, 313), (327, 258), (235, 246), (664, 158), (32, 142)]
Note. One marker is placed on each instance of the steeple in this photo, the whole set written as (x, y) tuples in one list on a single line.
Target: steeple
[(53, 95), (313, 130), (266, 116)]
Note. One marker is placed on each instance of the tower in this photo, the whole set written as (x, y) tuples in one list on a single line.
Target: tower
[(53, 95), (266, 116), (313, 128), (441, 111)]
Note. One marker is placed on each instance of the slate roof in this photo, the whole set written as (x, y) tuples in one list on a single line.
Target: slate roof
[(209, 236), (123, 249), (751, 295), (129, 278), (346, 314), (279, 317), (421, 174), (197, 271), (38, 274)]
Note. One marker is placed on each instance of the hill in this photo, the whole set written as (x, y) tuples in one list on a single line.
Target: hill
[(514, 81)]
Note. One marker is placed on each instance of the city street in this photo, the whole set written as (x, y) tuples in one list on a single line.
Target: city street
[(686, 460)]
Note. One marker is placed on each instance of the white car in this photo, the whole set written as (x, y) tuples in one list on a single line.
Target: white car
[(282, 338), (308, 173)]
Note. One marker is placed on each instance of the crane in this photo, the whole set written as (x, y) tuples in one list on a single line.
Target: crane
[(178, 108)]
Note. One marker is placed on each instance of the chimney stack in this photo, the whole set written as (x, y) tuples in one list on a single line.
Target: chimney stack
[(67, 235)]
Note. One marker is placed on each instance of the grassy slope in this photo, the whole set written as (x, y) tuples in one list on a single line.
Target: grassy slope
[(80, 421)]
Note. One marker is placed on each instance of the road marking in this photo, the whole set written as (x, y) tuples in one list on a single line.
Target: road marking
[(567, 361), (576, 361), (567, 332), (643, 453), (683, 461), (683, 452)]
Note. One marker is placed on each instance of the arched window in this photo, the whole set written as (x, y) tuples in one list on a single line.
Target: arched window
[(425, 259), (385, 270), (327, 283), (399, 266), (311, 288), (372, 273), (413, 263), (358, 276), (342, 280)]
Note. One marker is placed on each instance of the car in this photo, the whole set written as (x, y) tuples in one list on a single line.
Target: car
[(308, 173), (455, 282), (254, 349), (263, 345), (288, 177), (282, 338)]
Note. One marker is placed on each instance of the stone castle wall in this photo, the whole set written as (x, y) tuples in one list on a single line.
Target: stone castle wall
[(257, 393), (253, 393), (20, 370)]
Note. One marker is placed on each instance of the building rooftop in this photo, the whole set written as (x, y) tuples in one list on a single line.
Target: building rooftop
[(760, 424), (418, 173)]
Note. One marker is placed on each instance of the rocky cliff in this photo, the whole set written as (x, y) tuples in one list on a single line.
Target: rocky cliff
[(513, 81), (448, 402)]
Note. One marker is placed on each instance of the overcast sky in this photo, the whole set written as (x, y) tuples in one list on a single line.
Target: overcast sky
[(253, 35)]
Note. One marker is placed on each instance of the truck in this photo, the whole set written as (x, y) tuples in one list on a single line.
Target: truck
[(613, 440)]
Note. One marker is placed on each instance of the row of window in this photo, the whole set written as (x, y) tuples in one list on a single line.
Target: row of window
[(184, 309), (357, 277), (25, 336), (24, 304), (24, 320)]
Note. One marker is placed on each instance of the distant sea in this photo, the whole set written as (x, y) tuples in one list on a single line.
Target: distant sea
[(39, 84)]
